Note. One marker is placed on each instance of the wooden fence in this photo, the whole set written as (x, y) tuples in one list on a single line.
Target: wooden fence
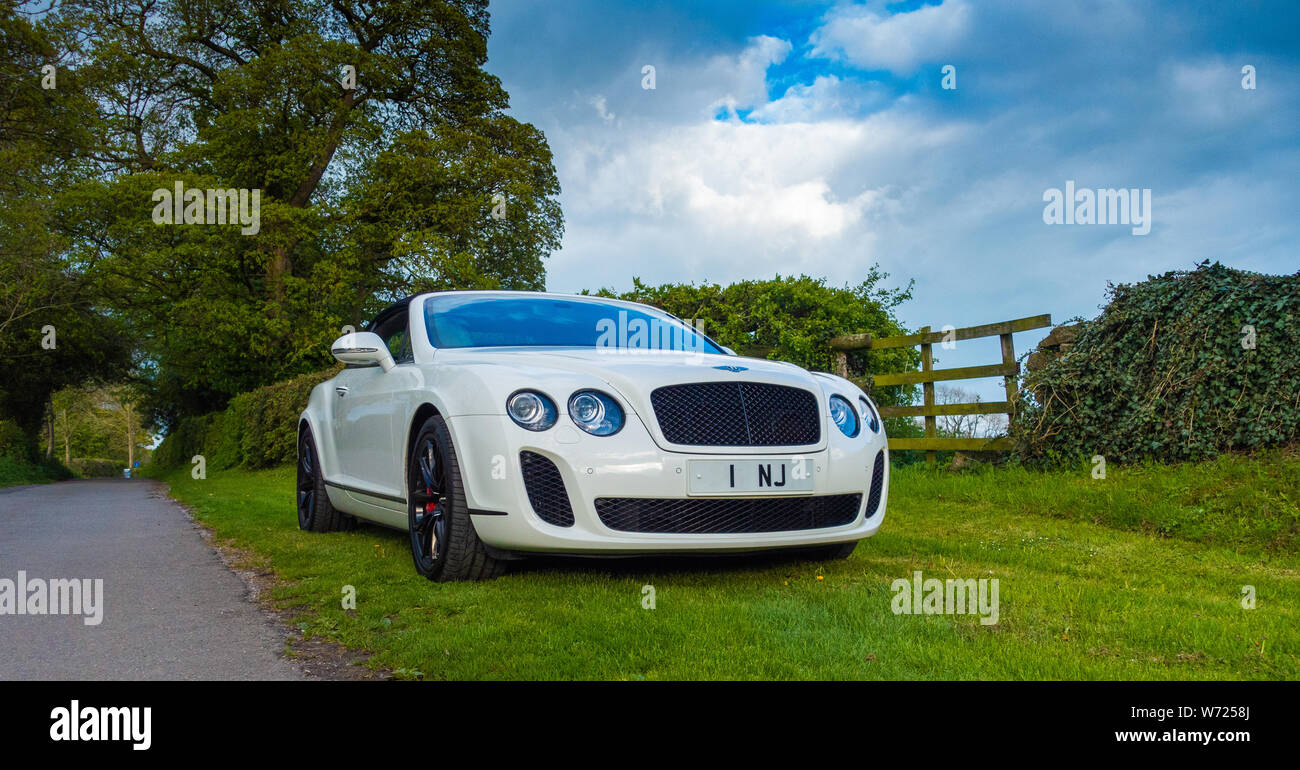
[(928, 375)]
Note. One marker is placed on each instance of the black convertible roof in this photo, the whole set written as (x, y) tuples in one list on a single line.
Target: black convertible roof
[(397, 307)]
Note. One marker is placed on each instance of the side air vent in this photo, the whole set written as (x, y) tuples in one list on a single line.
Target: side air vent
[(546, 492), (877, 484)]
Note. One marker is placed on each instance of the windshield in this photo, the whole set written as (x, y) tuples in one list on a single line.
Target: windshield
[(470, 321)]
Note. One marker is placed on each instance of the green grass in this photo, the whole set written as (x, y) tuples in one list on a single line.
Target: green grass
[(1138, 576)]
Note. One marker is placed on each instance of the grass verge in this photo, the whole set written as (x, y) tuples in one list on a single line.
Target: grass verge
[(1137, 576)]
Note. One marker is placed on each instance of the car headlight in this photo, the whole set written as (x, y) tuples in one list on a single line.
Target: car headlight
[(595, 412), (844, 416), (531, 410), (870, 414)]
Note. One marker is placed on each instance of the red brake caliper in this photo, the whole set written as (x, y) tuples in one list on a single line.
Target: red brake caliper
[(429, 509)]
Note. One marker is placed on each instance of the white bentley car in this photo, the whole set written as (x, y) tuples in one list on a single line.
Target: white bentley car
[(492, 424)]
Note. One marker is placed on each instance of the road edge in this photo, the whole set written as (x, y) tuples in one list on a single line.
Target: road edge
[(316, 658)]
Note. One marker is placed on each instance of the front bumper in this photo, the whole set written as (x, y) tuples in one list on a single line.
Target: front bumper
[(630, 465)]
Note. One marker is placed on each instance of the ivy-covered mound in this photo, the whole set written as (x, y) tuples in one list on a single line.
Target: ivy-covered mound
[(1181, 366)]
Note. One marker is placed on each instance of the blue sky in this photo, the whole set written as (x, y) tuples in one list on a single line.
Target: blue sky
[(815, 137)]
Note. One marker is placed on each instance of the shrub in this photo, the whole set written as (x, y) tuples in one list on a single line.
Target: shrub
[(14, 472), (266, 420), (258, 429), (1168, 372), (793, 319), (13, 442), (188, 437), (89, 469)]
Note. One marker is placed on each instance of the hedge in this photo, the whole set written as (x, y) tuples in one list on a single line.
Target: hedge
[(96, 468), (1182, 366), (13, 443), (18, 462), (258, 429)]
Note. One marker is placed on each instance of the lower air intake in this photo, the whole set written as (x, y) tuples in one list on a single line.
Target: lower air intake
[(754, 514)]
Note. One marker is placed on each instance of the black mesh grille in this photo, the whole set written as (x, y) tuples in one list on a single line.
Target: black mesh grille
[(546, 492), (877, 484), (696, 515), (736, 414)]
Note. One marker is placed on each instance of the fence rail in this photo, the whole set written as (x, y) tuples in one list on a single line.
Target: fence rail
[(941, 410), (928, 375)]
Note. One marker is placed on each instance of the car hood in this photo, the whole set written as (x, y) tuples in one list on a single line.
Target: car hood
[(639, 370)]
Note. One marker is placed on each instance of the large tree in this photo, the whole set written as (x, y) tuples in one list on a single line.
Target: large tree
[(379, 146), (54, 330)]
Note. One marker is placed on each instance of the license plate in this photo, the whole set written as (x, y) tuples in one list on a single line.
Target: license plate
[(746, 477)]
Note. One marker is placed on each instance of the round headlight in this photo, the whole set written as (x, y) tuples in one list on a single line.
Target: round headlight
[(870, 414), (844, 416), (531, 410), (595, 412)]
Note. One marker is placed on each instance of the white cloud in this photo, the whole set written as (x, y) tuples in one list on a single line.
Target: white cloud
[(728, 200), (774, 180), (602, 110), (1208, 92), (834, 174), (741, 81), (827, 97), (897, 42)]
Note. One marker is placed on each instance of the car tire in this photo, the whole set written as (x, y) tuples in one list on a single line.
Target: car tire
[(315, 512), (444, 544)]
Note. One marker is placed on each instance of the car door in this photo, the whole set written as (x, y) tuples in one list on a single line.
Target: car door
[(364, 414)]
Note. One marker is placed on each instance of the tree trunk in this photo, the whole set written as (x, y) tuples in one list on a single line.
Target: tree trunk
[(49, 425), (67, 444), (281, 265), (130, 438)]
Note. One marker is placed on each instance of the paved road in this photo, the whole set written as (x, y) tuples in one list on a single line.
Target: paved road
[(171, 608)]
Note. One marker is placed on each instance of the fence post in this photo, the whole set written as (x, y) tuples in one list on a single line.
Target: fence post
[(1009, 358), (931, 443), (931, 422)]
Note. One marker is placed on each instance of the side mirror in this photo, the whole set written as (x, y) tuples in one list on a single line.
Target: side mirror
[(362, 349)]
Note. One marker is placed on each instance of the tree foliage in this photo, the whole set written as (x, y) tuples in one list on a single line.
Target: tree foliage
[(99, 423), (378, 143), (54, 330), (792, 319), (1181, 366)]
